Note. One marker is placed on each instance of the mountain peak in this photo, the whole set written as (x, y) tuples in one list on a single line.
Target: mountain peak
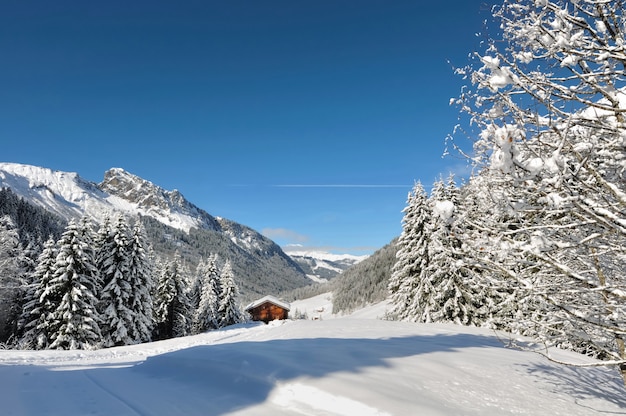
[(168, 207), (121, 183)]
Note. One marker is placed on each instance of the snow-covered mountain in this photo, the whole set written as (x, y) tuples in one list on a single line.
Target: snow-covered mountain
[(322, 266), (70, 196), (261, 263), (146, 198)]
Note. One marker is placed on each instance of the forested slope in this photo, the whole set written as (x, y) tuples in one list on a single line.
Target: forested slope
[(365, 282)]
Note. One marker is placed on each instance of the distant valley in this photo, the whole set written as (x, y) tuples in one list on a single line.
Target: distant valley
[(322, 266)]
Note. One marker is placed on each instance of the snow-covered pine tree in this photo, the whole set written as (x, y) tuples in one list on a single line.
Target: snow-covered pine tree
[(117, 291), (494, 303), (87, 234), (195, 290), (482, 299), (163, 294), (446, 291), (32, 251), (423, 299), (40, 302), (548, 99), (74, 322), (229, 312), (11, 278), (172, 306), (102, 240), (207, 313), (28, 263), (141, 279), (412, 254)]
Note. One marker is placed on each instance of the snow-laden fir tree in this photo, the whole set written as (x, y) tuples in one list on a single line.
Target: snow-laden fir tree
[(229, 312), (162, 296), (172, 308), (40, 302), (117, 290), (125, 299), (74, 322), (207, 314), (497, 304), (446, 291), (102, 240), (141, 280), (11, 277), (103, 235), (548, 99), (195, 291), (31, 257), (85, 230), (412, 254)]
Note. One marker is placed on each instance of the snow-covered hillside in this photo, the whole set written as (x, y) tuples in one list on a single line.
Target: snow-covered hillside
[(348, 366), (69, 196)]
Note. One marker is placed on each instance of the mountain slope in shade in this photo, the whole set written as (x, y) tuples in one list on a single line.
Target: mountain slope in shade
[(172, 222)]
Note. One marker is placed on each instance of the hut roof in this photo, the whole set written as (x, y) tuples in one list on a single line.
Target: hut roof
[(271, 299)]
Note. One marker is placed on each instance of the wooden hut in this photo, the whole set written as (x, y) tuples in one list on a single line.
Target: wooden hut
[(268, 309)]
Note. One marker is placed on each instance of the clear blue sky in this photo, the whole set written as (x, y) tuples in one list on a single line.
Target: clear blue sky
[(308, 121)]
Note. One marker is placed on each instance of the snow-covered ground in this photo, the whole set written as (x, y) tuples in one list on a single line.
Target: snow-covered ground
[(351, 365)]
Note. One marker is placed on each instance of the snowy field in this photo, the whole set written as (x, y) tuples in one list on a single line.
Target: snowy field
[(352, 365)]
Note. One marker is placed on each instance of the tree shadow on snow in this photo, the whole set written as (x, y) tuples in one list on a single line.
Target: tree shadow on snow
[(242, 374), (582, 383), (222, 378)]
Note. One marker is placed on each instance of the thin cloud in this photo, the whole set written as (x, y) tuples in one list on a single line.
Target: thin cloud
[(297, 243), (347, 185), (356, 251), (285, 234), (461, 170)]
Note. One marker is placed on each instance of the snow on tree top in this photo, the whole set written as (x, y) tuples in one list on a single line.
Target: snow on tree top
[(444, 209)]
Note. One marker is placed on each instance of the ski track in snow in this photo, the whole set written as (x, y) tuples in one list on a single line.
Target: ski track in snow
[(115, 396)]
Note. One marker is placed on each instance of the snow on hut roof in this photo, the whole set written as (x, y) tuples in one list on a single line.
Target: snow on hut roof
[(268, 298)]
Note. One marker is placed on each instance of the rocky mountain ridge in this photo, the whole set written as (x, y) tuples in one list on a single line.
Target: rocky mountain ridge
[(172, 222)]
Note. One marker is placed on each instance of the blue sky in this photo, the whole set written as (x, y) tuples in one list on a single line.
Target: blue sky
[(308, 121)]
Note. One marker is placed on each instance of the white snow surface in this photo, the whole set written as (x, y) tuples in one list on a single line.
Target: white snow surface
[(352, 365)]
